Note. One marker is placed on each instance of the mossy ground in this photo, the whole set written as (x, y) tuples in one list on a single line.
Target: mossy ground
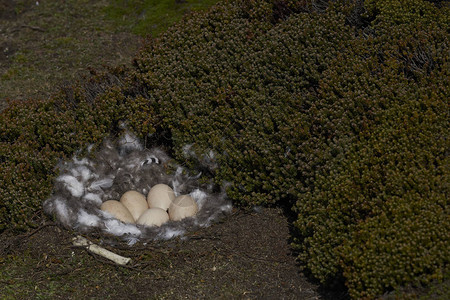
[(44, 46), (145, 17), (55, 42)]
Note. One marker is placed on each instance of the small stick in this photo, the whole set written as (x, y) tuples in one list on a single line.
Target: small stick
[(34, 28), (80, 241)]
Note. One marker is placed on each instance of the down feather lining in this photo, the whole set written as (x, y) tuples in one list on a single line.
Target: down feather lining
[(123, 165)]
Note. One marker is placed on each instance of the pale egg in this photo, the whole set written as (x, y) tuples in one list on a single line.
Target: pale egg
[(135, 202), (182, 207), (160, 195), (118, 210), (153, 217)]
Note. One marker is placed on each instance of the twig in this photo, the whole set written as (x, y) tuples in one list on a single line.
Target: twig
[(34, 28), (39, 229), (24, 236), (83, 242)]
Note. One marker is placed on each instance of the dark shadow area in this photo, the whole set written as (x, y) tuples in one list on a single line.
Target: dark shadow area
[(335, 290)]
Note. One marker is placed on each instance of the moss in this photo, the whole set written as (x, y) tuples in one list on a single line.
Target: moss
[(152, 17)]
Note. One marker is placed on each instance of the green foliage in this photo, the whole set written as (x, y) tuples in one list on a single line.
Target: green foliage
[(35, 135), (378, 212), (299, 109), (228, 83), (405, 12), (404, 237)]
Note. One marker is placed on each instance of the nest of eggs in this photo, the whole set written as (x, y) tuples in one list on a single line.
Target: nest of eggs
[(128, 191)]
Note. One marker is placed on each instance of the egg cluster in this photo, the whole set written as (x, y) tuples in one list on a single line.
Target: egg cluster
[(160, 206)]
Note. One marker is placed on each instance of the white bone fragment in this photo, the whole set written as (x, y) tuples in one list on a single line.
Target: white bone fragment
[(80, 241)]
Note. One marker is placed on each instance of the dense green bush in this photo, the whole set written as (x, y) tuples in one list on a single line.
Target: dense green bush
[(244, 88), (35, 135), (379, 214), (337, 108), (299, 110)]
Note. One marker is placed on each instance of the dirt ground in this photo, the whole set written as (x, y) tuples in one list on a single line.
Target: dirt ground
[(46, 44), (244, 256)]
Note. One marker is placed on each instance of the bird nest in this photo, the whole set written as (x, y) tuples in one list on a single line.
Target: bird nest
[(122, 165)]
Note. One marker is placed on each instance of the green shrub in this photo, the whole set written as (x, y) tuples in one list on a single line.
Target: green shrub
[(285, 105), (380, 215), (242, 88), (35, 135), (377, 213)]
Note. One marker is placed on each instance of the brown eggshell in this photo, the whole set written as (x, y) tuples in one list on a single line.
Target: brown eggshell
[(153, 217), (160, 195), (118, 210), (135, 202), (182, 207)]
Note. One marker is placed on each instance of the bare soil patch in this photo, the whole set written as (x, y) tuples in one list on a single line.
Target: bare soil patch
[(245, 256)]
